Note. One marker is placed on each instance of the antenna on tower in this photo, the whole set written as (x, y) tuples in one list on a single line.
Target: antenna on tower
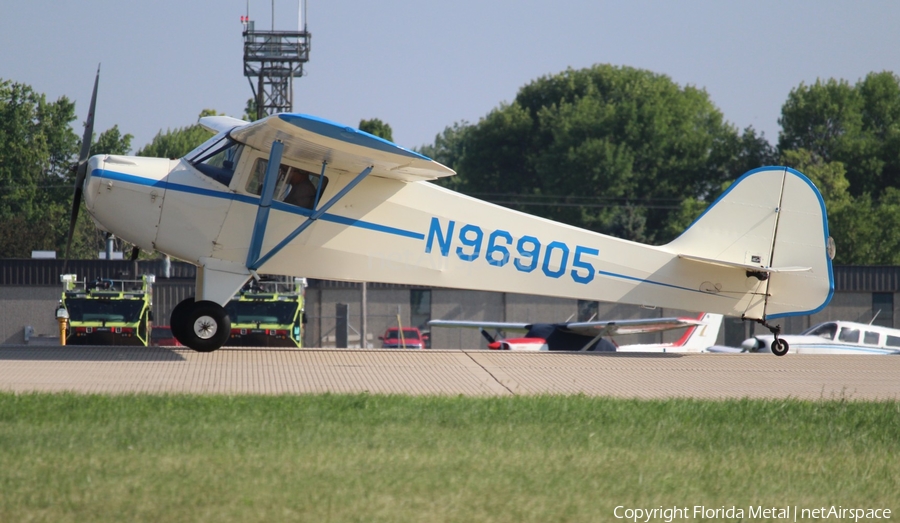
[(275, 58)]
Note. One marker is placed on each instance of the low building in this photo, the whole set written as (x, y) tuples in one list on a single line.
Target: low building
[(30, 291)]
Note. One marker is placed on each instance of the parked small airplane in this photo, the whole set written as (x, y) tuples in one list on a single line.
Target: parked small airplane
[(595, 335), (696, 338), (834, 337), (244, 202)]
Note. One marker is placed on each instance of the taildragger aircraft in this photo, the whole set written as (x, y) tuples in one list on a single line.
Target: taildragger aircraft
[(596, 336), (298, 195)]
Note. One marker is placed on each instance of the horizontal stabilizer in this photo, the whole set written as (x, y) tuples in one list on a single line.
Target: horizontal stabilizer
[(743, 266), (480, 325), (585, 328), (622, 327)]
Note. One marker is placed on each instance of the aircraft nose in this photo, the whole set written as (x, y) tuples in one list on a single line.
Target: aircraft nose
[(750, 345), (90, 185), (124, 195)]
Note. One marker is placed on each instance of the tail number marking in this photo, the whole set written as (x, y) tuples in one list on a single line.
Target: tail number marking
[(529, 253)]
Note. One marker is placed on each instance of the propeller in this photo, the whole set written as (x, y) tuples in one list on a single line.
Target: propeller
[(80, 168)]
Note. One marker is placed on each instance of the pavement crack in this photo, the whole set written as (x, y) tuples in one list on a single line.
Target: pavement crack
[(491, 374)]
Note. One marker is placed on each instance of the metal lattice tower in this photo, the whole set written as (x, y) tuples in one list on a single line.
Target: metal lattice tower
[(274, 58)]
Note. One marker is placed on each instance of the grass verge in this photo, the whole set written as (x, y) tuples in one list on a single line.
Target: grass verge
[(66, 457)]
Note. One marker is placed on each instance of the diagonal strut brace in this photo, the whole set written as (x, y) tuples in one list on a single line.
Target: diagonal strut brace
[(316, 214)]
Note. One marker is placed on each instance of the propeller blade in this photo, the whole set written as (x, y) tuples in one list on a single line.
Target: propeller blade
[(81, 167), (487, 336)]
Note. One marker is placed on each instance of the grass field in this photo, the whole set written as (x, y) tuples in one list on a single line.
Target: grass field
[(66, 457)]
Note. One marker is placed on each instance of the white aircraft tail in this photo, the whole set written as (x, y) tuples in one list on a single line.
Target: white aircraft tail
[(700, 337), (696, 338), (771, 224)]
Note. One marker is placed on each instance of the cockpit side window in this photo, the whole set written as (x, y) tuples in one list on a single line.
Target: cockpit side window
[(294, 186), (219, 160), (849, 335), (826, 331)]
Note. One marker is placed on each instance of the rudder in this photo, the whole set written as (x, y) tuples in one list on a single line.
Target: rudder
[(779, 238)]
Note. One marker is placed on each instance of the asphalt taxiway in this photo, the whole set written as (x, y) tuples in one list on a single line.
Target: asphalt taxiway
[(444, 372)]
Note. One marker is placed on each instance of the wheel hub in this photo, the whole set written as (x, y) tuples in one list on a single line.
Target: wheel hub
[(205, 327)]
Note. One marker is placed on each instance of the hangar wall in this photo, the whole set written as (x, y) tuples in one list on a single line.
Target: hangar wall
[(30, 291)]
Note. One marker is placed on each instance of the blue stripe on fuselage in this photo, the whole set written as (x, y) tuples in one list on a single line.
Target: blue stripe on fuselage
[(253, 200), (352, 222)]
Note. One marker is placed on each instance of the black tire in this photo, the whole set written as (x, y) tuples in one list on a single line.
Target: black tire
[(779, 347), (207, 326), (178, 320)]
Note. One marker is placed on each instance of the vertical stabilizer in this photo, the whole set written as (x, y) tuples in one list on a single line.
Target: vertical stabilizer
[(770, 226)]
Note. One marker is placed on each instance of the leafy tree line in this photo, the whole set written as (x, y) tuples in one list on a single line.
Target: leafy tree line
[(628, 152), (846, 138), (37, 149), (618, 150), (39, 146)]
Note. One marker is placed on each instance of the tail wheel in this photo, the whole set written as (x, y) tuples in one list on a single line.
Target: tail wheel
[(206, 326), (779, 347), (178, 320)]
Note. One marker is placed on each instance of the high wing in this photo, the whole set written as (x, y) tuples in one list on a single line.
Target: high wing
[(315, 140), (499, 325), (622, 327), (217, 124), (584, 328)]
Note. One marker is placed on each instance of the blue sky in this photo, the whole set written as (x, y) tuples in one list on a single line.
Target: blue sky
[(421, 66)]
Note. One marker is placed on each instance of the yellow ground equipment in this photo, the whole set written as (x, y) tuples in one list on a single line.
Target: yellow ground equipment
[(106, 311)]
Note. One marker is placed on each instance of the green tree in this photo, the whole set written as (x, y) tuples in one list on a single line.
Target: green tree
[(846, 138), (864, 228), (613, 149), (858, 125), (448, 148), (111, 141), (250, 110), (378, 128), (178, 142), (38, 147)]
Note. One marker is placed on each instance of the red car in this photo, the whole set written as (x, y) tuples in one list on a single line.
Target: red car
[(162, 336), (412, 339)]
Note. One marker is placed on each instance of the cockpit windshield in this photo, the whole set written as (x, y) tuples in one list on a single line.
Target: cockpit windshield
[(825, 330), (217, 158)]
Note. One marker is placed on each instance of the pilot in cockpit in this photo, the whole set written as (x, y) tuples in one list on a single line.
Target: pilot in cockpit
[(300, 190)]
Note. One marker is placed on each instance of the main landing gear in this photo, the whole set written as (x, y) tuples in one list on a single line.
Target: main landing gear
[(201, 325), (779, 346)]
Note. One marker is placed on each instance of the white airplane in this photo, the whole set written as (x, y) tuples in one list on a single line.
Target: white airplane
[(835, 337), (761, 251), (596, 335), (696, 338)]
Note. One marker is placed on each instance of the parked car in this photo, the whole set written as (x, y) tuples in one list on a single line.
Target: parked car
[(162, 336), (413, 338)]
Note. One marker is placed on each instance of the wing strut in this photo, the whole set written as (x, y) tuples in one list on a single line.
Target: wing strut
[(594, 340), (317, 213), (265, 203)]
